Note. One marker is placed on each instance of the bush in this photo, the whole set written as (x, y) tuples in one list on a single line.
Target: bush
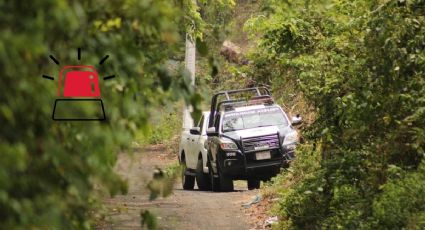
[(49, 170), (402, 203), (164, 129), (360, 66)]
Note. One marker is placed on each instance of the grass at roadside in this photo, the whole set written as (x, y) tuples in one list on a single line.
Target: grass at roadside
[(165, 127), (285, 184)]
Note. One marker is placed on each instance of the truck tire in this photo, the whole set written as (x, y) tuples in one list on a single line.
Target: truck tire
[(188, 181), (226, 184), (202, 179), (253, 184), (215, 186)]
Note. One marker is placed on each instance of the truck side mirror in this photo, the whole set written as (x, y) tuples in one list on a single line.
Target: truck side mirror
[(195, 131), (211, 132), (297, 120)]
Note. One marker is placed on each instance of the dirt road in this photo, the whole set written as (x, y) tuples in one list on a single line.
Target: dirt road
[(181, 210)]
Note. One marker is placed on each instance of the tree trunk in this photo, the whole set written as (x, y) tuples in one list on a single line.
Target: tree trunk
[(190, 60)]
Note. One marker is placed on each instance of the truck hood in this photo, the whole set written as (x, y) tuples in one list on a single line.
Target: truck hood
[(260, 131)]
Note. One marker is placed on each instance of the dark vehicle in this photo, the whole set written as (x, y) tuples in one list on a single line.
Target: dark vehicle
[(249, 138)]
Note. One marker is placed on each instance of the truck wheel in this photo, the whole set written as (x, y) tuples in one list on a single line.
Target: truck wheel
[(226, 184), (188, 181), (253, 184), (215, 186), (202, 179)]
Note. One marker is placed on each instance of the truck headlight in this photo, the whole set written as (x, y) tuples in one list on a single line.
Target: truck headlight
[(227, 144), (290, 138)]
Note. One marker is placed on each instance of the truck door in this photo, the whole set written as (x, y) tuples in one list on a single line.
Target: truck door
[(200, 139), (193, 146), (215, 140)]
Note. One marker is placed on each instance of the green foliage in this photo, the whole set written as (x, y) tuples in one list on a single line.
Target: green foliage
[(360, 65), (402, 203), (193, 22), (217, 15), (163, 181), (166, 130), (302, 199), (49, 170), (161, 185), (148, 219), (165, 126)]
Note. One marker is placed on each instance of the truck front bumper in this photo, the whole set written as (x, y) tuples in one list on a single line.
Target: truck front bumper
[(241, 166)]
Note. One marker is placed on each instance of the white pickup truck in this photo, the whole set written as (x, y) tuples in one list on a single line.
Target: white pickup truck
[(193, 156)]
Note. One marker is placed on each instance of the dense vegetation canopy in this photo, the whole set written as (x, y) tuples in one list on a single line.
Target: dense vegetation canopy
[(360, 67), (50, 171), (354, 69)]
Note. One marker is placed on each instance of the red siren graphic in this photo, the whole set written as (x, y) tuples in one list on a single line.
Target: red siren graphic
[(78, 93)]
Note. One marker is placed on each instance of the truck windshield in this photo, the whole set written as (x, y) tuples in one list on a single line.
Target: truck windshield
[(253, 119)]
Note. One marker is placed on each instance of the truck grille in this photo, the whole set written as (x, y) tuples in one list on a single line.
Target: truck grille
[(260, 143)]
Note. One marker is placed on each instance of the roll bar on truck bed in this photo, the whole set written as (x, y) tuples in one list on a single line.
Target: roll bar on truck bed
[(260, 93)]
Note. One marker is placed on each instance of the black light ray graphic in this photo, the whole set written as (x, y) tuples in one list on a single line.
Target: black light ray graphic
[(103, 60), (54, 59), (48, 77), (109, 77)]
